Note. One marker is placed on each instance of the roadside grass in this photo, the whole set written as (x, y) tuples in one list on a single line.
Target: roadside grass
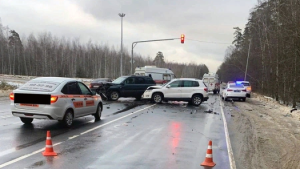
[(5, 86)]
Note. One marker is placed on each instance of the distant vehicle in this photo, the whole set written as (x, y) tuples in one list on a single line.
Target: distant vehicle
[(234, 91), (231, 82), (54, 98), (126, 86), (211, 80), (95, 84), (184, 89), (247, 85), (159, 75)]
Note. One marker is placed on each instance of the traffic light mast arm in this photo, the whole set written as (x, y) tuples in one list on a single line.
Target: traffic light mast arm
[(136, 42)]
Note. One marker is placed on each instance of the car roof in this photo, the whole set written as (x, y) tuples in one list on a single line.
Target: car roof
[(186, 79), (55, 79)]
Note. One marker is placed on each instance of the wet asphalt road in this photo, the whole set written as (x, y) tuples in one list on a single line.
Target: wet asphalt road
[(131, 134)]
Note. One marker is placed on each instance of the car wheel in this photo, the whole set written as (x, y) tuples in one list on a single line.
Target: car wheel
[(215, 92), (98, 113), (138, 98), (197, 100), (68, 119), (157, 98), (114, 95), (225, 98), (244, 99), (26, 120)]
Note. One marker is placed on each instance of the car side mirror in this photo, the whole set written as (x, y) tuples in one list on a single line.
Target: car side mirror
[(168, 86), (94, 92)]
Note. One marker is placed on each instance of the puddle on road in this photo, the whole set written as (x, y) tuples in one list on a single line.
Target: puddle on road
[(129, 106), (37, 164)]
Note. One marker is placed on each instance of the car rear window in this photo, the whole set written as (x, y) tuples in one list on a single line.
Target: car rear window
[(236, 86), (42, 86)]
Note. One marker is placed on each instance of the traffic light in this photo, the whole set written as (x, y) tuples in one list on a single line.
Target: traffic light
[(182, 38)]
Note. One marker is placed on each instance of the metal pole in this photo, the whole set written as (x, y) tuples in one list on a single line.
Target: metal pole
[(134, 43), (247, 61), (132, 59), (121, 62)]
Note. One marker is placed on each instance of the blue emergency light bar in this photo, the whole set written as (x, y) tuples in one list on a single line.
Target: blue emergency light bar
[(238, 82)]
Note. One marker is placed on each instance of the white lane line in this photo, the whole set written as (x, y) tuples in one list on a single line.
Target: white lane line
[(229, 148), (70, 138)]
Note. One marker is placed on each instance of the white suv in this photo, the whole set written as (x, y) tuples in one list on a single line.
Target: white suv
[(185, 89)]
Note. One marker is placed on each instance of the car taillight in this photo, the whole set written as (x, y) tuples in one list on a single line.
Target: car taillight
[(229, 90), (90, 86), (54, 99), (244, 90), (205, 89), (12, 96), (249, 88)]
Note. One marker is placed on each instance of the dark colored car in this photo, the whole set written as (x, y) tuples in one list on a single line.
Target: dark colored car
[(126, 86), (95, 84)]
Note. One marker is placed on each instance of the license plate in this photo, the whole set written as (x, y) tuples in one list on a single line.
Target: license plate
[(237, 91), (30, 105), (95, 86)]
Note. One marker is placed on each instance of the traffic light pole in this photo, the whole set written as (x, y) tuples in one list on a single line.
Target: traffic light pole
[(135, 43)]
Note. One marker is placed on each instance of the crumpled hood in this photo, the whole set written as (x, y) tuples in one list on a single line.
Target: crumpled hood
[(154, 87)]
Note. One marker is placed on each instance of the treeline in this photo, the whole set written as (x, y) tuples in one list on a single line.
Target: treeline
[(47, 55), (273, 36)]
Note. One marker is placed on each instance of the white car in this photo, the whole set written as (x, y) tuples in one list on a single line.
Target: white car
[(185, 89), (234, 91), (54, 98), (247, 86)]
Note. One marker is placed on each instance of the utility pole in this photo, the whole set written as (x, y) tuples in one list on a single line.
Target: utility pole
[(247, 61), (134, 43), (121, 62)]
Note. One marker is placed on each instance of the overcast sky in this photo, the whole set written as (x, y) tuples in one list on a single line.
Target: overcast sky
[(98, 20)]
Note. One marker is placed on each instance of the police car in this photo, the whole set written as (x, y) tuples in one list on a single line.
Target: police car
[(54, 98)]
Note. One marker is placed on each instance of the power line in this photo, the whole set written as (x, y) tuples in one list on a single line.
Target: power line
[(209, 42)]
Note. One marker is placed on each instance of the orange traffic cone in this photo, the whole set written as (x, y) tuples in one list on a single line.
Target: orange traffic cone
[(209, 159), (49, 148)]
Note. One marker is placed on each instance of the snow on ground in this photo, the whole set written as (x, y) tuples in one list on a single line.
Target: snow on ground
[(18, 81)]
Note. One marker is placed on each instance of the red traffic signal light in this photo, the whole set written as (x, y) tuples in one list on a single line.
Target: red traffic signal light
[(182, 38)]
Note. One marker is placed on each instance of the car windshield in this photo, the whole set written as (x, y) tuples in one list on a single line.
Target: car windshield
[(119, 80)]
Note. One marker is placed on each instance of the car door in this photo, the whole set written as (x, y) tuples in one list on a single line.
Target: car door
[(189, 87), (73, 93), (141, 86), (89, 102), (173, 90), (128, 88)]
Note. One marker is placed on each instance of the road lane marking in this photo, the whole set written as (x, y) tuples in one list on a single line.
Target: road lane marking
[(70, 138), (229, 148)]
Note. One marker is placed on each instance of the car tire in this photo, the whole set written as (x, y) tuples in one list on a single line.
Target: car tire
[(157, 98), (98, 113), (225, 99), (68, 118), (244, 99), (26, 120), (215, 92), (197, 100), (114, 95), (138, 98)]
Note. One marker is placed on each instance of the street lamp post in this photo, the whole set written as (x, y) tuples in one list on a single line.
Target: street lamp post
[(121, 62), (247, 61)]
